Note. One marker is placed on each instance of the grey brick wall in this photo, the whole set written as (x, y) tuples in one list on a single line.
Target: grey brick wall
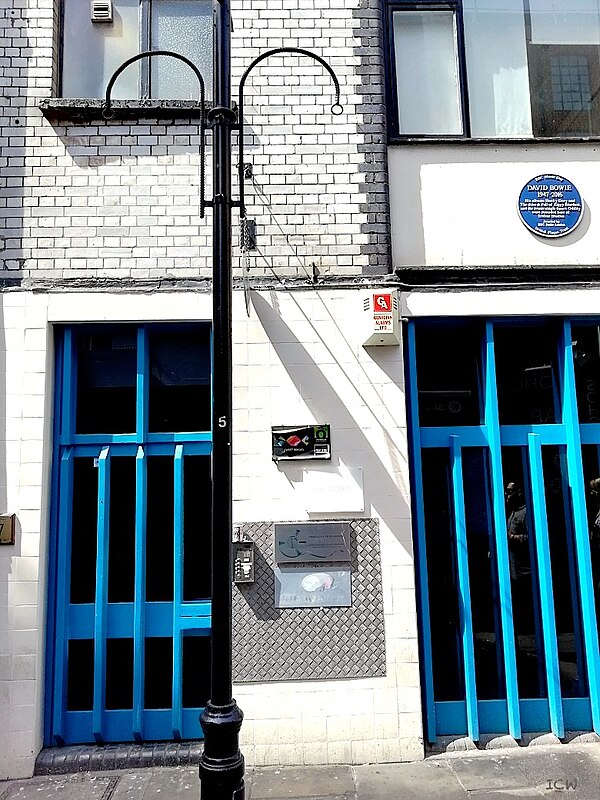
[(119, 201)]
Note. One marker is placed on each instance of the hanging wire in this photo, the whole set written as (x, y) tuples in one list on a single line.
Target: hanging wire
[(245, 245)]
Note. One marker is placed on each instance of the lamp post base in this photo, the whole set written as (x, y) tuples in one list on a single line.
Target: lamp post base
[(221, 764)]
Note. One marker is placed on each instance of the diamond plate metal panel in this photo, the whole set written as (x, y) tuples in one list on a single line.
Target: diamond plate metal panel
[(281, 644)]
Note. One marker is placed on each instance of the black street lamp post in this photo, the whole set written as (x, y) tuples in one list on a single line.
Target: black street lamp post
[(221, 763)]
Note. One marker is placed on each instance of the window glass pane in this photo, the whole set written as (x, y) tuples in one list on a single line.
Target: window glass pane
[(180, 380), (557, 22), (185, 27), (564, 62), (498, 78), (586, 360), (106, 376), (427, 72), (527, 375), (448, 370), (93, 51)]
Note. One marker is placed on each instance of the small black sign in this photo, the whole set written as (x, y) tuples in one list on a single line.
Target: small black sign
[(309, 441)]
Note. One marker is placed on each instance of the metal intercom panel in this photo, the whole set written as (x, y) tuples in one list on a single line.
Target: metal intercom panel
[(243, 562)]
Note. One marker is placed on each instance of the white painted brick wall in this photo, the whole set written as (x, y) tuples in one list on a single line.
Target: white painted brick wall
[(25, 419), (120, 200)]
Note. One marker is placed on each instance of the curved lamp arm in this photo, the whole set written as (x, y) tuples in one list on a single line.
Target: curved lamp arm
[(336, 108), (108, 113)]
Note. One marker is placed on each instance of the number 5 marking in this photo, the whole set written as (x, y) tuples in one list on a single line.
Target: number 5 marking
[(222, 422)]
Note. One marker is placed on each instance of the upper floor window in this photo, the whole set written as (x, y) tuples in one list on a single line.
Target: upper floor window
[(92, 50), (495, 68)]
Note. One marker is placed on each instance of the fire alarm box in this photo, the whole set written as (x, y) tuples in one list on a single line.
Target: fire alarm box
[(381, 318), (243, 562)]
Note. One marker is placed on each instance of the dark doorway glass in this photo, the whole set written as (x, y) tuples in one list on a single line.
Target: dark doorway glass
[(448, 678), (121, 546), (483, 578), (84, 530), (158, 672), (196, 528), (80, 675), (586, 362), (119, 673), (106, 380), (196, 671), (567, 605), (180, 398), (159, 529), (524, 579), (527, 374), (449, 374), (591, 471)]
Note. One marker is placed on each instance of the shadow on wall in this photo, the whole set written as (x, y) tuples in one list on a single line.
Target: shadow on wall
[(325, 403)]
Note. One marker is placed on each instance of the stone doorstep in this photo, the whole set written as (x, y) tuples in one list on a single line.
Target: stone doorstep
[(96, 758)]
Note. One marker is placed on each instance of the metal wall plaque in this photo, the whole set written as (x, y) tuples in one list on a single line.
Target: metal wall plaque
[(308, 441), (304, 588), (7, 529), (310, 542), (550, 206)]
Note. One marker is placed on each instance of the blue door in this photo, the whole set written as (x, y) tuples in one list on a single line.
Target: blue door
[(129, 608), (505, 449)]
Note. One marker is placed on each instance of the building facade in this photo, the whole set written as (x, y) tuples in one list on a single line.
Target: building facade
[(481, 371)]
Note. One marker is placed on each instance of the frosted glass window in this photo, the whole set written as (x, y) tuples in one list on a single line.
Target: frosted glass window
[(427, 72), (497, 73), (184, 26), (92, 52), (560, 22)]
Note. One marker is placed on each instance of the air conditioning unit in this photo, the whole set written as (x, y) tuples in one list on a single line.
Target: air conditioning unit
[(102, 10)]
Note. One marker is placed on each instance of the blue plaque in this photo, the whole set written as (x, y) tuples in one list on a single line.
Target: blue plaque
[(550, 206)]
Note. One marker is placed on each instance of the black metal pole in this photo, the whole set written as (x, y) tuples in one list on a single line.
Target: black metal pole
[(221, 764)]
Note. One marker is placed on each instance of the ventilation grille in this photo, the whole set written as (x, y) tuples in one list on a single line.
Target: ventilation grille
[(102, 11)]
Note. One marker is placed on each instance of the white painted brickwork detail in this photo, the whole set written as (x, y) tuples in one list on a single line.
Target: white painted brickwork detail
[(120, 201)]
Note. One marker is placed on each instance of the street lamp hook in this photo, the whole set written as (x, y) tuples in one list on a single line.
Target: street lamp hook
[(336, 108), (108, 110)]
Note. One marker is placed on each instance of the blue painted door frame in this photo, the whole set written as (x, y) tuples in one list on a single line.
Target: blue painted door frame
[(513, 713), (100, 622)]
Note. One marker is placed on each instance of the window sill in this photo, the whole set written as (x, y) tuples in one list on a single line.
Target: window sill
[(505, 140), (76, 109)]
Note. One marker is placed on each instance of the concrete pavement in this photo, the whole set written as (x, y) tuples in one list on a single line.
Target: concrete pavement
[(566, 771)]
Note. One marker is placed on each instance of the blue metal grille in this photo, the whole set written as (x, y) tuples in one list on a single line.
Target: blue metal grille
[(118, 599), (547, 666)]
